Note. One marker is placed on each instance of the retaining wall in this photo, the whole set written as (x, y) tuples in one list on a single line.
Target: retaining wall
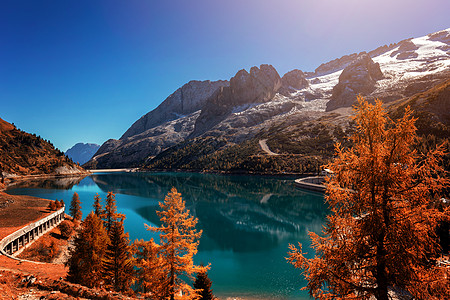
[(315, 183), (16, 242)]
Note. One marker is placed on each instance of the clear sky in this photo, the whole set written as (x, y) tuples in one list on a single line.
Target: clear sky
[(85, 70)]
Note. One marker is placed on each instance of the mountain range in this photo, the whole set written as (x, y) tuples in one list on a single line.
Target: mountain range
[(259, 121), (82, 152)]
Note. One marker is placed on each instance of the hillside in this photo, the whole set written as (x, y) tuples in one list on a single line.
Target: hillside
[(299, 114), (22, 153)]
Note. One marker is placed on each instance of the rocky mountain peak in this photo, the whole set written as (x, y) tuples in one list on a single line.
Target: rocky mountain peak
[(258, 86), (185, 100), (336, 64), (82, 152), (359, 77), (257, 98), (295, 79)]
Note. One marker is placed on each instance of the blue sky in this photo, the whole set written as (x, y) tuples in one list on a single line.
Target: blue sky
[(84, 71)]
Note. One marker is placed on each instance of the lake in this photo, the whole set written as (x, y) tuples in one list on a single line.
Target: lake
[(247, 222)]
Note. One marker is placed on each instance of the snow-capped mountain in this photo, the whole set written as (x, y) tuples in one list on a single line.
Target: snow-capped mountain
[(253, 103)]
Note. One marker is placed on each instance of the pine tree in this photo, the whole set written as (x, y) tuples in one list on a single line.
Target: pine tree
[(178, 244), (75, 207), (203, 284), (98, 209), (57, 204), (148, 274), (51, 206), (86, 256), (110, 214), (381, 231), (117, 262)]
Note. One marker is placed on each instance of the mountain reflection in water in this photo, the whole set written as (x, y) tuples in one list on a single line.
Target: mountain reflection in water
[(240, 213), (247, 221)]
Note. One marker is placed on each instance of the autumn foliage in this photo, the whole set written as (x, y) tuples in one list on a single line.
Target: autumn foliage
[(203, 285), (66, 227), (75, 207), (148, 273), (380, 235), (102, 257), (86, 257), (98, 209), (158, 271), (173, 257), (117, 261)]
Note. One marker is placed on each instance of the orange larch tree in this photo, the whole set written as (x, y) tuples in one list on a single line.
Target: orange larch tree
[(86, 256), (117, 261), (148, 275), (75, 207), (380, 236), (178, 244), (110, 214), (98, 208)]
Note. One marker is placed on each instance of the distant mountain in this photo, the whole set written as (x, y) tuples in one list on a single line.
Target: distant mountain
[(82, 152), (22, 153), (300, 115)]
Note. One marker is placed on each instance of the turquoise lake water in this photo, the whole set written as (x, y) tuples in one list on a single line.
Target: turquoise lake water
[(247, 222)]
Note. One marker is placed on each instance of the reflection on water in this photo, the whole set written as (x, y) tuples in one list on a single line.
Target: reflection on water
[(239, 213), (64, 183), (247, 222)]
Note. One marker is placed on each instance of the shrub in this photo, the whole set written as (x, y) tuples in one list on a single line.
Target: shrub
[(66, 228)]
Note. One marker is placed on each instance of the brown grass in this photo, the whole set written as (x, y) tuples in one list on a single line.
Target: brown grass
[(46, 248)]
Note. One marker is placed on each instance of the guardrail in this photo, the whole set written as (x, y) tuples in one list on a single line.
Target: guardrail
[(17, 241)]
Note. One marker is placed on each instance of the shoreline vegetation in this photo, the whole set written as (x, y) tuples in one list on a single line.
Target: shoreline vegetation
[(296, 255), (56, 243)]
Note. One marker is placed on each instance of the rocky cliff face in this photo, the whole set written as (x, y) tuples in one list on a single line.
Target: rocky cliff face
[(133, 151), (359, 77), (184, 101), (259, 105), (258, 86), (294, 80)]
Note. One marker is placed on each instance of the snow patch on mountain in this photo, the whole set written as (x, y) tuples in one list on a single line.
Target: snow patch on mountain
[(250, 102), (430, 58)]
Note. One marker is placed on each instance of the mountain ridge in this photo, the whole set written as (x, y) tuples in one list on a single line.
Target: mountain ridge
[(22, 154), (82, 152), (242, 108)]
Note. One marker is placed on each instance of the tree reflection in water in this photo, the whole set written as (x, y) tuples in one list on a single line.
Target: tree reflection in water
[(239, 213)]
